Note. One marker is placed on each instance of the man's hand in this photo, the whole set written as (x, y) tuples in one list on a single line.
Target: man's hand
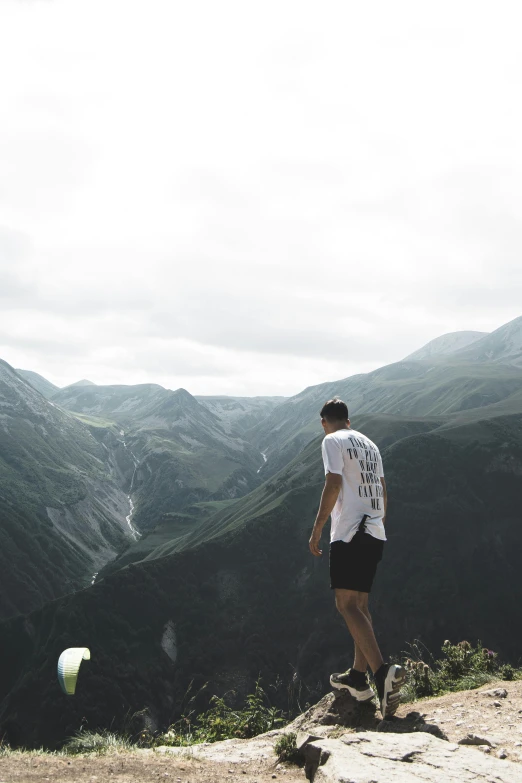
[(314, 543), (331, 489)]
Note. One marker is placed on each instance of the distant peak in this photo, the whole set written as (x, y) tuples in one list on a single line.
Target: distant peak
[(184, 394), (446, 344), (83, 382)]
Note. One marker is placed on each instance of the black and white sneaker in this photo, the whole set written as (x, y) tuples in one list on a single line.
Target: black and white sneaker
[(389, 680), (358, 687)]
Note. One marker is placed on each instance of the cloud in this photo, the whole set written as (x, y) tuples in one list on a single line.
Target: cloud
[(234, 197)]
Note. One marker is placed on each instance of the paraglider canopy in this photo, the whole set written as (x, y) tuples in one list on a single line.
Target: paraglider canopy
[(68, 667)]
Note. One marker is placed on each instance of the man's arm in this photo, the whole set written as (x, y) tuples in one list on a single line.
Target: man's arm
[(385, 497), (331, 489)]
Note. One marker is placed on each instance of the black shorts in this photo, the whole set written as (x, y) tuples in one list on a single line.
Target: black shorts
[(353, 564)]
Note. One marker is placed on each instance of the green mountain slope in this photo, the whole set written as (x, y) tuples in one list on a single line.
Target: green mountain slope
[(239, 414), (171, 535), (39, 383), (253, 600), (431, 394), (62, 508), (417, 388), (183, 455)]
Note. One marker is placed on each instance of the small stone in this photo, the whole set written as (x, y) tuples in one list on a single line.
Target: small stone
[(517, 745), (485, 748), (274, 776), (497, 704), (244, 771), (457, 704), (502, 754), (459, 723), (474, 739), (495, 693)]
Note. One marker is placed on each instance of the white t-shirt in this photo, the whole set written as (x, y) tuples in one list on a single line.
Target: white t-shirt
[(357, 459)]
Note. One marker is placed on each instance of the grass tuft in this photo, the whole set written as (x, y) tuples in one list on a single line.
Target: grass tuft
[(97, 742)]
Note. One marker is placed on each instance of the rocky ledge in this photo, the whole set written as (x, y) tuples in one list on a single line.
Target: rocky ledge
[(341, 741)]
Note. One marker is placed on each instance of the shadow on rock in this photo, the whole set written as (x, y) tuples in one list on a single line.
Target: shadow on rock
[(341, 709), (413, 721)]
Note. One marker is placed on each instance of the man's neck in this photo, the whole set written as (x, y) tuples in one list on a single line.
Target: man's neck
[(343, 426)]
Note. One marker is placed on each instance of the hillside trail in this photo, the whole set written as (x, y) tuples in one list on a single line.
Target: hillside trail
[(486, 722)]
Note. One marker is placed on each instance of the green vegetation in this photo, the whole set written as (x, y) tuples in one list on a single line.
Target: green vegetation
[(461, 667), (98, 742), (222, 721), (98, 422), (286, 749), (6, 750)]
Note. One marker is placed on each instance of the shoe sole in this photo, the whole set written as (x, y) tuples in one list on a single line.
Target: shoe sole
[(393, 683), (366, 695)]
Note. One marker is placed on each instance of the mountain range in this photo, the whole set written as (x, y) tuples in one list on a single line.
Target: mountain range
[(223, 567)]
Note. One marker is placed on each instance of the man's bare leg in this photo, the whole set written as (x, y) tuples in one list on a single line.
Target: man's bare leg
[(359, 624), (360, 663)]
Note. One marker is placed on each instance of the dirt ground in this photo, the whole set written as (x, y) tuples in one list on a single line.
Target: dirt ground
[(138, 767), (479, 712)]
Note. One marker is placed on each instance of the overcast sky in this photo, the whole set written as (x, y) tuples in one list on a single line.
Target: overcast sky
[(250, 197)]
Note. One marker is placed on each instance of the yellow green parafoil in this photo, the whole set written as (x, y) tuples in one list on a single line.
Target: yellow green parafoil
[(69, 665)]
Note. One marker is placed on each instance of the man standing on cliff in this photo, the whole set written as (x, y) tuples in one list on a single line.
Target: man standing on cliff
[(355, 495)]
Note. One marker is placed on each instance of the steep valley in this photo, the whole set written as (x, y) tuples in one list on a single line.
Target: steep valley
[(220, 587), (252, 600)]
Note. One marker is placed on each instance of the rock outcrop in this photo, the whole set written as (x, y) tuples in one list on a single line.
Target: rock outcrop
[(343, 741), (369, 757)]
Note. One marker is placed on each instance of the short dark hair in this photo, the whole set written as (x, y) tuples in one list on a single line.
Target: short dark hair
[(335, 410)]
